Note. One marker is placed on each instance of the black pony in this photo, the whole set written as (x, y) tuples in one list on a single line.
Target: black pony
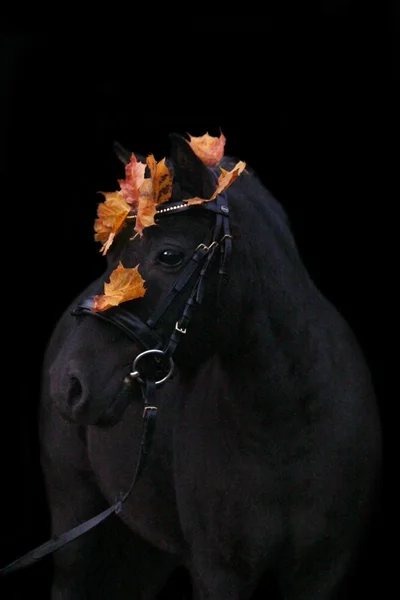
[(265, 455)]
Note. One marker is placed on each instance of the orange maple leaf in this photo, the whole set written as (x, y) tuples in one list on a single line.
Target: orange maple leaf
[(209, 149), (111, 215), (154, 190), (228, 177), (125, 284), (134, 176), (224, 181), (146, 207), (161, 178)]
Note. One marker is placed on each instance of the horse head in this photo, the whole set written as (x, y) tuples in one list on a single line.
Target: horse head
[(180, 261)]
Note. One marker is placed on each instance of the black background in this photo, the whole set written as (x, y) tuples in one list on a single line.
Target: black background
[(301, 95)]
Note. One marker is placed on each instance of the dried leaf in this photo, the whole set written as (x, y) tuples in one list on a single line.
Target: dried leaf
[(125, 284), (228, 177), (146, 207), (224, 181), (209, 149), (161, 178), (134, 176), (111, 215), (153, 191)]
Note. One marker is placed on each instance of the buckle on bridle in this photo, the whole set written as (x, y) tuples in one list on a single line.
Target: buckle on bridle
[(206, 248), (180, 329), (135, 374), (147, 409)]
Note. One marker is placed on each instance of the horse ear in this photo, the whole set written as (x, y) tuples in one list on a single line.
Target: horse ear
[(190, 172), (122, 153)]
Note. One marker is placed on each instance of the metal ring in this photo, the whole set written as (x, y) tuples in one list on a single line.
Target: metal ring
[(135, 373)]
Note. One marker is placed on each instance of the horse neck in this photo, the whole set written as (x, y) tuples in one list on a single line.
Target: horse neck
[(280, 328)]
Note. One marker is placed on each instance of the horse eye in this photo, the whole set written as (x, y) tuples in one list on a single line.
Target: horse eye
[(171, 258)]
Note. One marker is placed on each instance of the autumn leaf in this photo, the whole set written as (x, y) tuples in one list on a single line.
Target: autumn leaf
[(125, 284), (146, 207), (111, 215), (228, 177), (161, 178), (208, 148), (224, 181), (153, 191), (134, 177)]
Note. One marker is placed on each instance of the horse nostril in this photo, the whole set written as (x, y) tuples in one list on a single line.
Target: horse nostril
[(75, 391)]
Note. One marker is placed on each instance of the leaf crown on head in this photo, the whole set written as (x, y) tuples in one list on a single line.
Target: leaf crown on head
[(139, 197)]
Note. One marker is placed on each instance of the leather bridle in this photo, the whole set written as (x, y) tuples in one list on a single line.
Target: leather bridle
[(161, 350)]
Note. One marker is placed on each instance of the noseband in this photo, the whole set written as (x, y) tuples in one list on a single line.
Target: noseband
[(144, 332)]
